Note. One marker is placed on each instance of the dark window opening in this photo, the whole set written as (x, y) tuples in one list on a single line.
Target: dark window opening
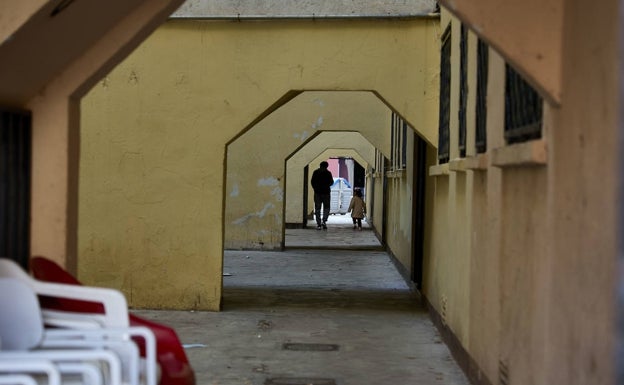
[(445, 98), (482, 80), (463, 89), (523, 109), (15, 163), (404, 146), (394, 141)]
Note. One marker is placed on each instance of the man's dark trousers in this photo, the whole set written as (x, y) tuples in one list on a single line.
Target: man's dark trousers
[(321, 199)]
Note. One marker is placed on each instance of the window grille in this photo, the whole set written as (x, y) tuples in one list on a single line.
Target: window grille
[(445, 98), (398, 142), (482, 80), (523, 109), (463, 88), (404, 145), (393, 138)]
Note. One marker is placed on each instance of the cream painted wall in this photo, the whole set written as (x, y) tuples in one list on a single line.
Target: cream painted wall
[(485, 299), (254, 208), (399, 232), (476, 209), (569, 283), (451, 219), (584, 175), (538, 222), (316, 150), (154, 134), (376, 194), (56, 120)]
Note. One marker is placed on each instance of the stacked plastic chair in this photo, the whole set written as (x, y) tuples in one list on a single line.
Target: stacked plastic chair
[(67, 347), (25, 354), (174, 366)]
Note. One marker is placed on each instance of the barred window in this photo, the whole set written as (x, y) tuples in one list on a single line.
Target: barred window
[(523, 109), (380, 162), (445, 98), (398, 142), (482, 80), (463, 88)]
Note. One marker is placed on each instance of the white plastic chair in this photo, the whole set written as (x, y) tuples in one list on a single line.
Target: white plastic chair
[(17, 379), (89, 373), (114, 302), (21, 371), (22, 332), (108, 329)]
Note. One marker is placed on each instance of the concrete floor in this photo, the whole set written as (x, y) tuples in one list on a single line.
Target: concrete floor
[(348, 316)]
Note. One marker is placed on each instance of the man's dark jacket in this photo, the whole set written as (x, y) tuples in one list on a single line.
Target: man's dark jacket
[(322, 180)]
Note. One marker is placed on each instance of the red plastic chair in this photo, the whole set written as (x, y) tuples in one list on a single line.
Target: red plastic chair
[(175, 368)]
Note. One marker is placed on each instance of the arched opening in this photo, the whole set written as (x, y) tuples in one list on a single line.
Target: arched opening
[(168, 133)]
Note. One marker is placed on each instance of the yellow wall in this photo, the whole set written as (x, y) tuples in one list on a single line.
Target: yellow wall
[(536, 218), (154, 134), (583, 176), (375, 189), (399, 208), (451, 222), (542, 268), (254, 208), (52, 92)]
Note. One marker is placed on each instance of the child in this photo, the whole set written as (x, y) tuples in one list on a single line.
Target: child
[(357, 207)]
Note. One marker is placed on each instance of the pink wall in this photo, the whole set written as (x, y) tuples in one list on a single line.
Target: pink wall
[(333, 166)]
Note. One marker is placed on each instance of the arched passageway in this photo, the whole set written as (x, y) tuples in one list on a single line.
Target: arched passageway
[(143, 100)]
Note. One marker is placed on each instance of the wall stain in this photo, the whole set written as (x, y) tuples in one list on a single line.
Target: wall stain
[(259, 214), (235, 192), (133, 79), (318, 123), (270, 181), (303, 136)]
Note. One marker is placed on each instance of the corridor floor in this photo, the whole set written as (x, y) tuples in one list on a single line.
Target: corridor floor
[(309, 316)]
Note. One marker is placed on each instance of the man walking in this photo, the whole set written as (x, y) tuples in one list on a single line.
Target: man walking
[(322, 180)]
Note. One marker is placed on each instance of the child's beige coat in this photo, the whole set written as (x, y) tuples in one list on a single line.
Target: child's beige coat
[(357, 207)]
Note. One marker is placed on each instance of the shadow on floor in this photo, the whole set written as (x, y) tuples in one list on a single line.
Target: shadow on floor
[(238, 298)]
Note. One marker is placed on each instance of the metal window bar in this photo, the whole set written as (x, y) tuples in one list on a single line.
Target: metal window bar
[(392, 137), (463, 88), (15, 165), (482, 80), (523, 109), (445, 98), (397, 143), (404, 146)]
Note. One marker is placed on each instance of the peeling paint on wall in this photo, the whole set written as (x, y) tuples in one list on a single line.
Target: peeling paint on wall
[(318, 123), (258, 214), (270, 181), (234, 192), (278, 193), (303, 136)]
